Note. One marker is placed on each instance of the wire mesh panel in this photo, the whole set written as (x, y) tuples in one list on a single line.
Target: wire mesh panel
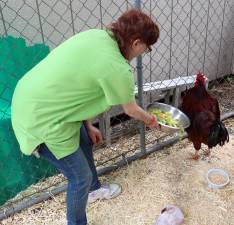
[(191, 39), (194, 36)]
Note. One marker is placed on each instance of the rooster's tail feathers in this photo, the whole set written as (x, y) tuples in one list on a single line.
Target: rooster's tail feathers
[(218, 135)]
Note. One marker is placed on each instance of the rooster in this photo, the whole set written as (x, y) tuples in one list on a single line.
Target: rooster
[(204, 114)]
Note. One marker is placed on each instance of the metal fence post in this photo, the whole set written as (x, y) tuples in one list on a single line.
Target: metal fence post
[(137, 4)]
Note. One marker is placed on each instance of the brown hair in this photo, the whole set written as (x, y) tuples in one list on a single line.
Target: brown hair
[(132, 25)]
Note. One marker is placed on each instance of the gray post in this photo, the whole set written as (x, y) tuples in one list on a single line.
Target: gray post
[(72, 18), (39, 17), (137, 4)]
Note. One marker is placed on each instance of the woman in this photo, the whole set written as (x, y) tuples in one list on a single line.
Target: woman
[(81, 78)]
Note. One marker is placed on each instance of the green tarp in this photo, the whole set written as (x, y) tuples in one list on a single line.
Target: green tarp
[(17, 171)]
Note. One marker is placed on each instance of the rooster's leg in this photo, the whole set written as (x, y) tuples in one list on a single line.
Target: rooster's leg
[(207, 153), (195, 156)]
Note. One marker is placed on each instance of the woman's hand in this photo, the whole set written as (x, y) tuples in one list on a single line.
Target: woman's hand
[(94, 133), (153, 122), (133, 110)]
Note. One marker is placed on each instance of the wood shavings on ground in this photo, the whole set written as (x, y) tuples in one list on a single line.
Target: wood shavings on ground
[(224, 93), (164, 177)]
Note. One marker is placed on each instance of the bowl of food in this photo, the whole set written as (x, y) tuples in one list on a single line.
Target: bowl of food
[(217, 178), (170, 118)]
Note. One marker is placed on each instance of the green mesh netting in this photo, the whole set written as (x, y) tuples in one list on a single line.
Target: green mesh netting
[(17, 171)]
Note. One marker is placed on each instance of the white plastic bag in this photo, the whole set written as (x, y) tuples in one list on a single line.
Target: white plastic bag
[(170, 215)]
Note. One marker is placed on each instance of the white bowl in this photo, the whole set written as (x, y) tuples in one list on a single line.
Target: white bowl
[(219, 172)]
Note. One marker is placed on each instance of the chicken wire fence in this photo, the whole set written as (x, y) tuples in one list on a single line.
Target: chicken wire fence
[(194, 36)]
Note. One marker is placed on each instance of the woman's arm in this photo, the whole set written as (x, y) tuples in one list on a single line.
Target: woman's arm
[(135, 111)]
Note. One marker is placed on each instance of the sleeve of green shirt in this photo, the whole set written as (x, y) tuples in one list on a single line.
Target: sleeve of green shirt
[(118, 89)]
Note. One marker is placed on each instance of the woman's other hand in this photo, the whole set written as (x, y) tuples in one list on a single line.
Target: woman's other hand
[(94, 133)]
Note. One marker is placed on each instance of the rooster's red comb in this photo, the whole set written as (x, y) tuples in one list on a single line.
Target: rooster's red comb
[(200, 78)]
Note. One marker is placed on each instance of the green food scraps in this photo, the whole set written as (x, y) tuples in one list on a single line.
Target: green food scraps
[(165, 118)]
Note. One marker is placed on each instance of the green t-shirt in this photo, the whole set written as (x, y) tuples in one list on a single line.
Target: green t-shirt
[(78, 80)]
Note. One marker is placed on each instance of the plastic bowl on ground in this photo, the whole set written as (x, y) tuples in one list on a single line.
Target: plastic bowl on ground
[(219, 173), (177, 115)]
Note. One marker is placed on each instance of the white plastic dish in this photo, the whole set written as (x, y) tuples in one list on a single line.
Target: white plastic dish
[(219, 172)]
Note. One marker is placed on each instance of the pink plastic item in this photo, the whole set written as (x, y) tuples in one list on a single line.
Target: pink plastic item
[(170, 215)]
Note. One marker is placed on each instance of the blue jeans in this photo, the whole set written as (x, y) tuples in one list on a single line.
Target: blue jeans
[(81, 173)]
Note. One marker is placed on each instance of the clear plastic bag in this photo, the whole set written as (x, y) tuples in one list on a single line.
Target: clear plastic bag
[(170, 215)]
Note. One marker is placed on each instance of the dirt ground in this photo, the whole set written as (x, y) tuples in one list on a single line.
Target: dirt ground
[(164, 177)]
